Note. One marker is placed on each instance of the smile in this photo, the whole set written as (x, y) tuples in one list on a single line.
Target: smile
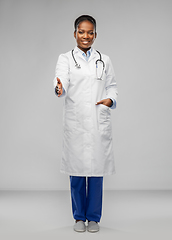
[(85, 42)]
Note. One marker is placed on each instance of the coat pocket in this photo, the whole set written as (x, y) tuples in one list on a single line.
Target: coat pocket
[(104, 118), (69, 119)]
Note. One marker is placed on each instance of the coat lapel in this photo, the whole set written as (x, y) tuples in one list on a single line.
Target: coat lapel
[(79, 54), (93, 55)]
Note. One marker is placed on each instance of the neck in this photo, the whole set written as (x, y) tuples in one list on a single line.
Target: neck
[(84, 49)]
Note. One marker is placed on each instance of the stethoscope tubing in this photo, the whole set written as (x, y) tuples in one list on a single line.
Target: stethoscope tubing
[(100, 60), (77, 65)]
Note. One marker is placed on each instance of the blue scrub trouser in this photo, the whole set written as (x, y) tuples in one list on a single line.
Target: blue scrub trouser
[(86, 201)]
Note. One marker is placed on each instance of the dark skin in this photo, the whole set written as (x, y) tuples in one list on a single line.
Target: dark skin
[(85, 36)]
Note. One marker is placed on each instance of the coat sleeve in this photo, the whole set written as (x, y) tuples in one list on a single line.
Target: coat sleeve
[(111, 86), (62, 72)]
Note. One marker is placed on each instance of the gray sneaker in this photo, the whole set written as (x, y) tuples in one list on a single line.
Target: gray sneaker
[(93, 227), (79, 226)]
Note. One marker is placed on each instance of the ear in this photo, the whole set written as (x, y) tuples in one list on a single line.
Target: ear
[(74, 34), (95, 34)]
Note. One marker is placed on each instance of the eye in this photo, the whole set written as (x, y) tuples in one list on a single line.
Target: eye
[(80, 32), (91, 33)]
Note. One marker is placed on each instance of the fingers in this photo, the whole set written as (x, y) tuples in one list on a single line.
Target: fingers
[(59, 84), (60, 91), (107, 102), (59, 88), (58, 80), (100, 102)]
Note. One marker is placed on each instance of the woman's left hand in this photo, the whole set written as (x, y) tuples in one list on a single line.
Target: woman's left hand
[(107, 102)]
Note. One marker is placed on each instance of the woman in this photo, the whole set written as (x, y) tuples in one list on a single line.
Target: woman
[(86, 78)]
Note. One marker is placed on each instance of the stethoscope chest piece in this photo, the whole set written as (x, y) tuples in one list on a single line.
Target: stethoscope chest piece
[(77, 65)]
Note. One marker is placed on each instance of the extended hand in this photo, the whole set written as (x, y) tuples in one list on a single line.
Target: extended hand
[(107, 102), (59, 88)]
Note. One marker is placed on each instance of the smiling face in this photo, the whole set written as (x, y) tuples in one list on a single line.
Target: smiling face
[(85, 35)]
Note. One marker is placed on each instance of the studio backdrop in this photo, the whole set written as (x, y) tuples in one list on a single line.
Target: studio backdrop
[(137, 36)]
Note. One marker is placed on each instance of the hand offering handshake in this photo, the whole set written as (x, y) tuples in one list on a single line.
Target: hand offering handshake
[(59, 88)]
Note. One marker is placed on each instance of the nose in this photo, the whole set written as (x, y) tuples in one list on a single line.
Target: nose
[(85, 35)]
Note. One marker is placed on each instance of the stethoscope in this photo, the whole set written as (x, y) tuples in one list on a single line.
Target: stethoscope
[(99, 76)]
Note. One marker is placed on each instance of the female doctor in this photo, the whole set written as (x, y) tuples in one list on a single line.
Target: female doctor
[(86, 79)]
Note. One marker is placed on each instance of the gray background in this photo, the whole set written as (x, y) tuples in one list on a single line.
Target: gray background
[(137, 36)]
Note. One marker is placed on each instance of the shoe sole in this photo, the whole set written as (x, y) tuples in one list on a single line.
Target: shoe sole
[(79, 230), (92, 231)]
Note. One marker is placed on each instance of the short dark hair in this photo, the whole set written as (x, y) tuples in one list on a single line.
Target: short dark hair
[(84, 18)]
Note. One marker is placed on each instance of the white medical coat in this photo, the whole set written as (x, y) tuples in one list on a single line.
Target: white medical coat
[(87, 135)]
